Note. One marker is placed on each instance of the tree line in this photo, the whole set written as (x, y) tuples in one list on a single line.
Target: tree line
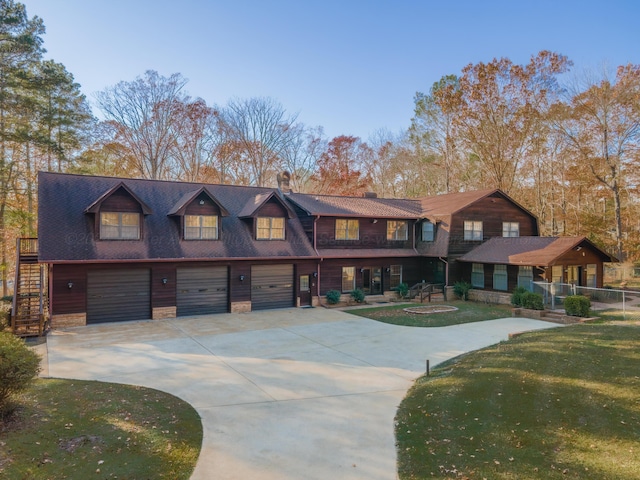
[(567, 151)]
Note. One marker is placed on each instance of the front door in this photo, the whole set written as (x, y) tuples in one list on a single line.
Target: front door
[(372, 280), (305, 291), (574, 275)]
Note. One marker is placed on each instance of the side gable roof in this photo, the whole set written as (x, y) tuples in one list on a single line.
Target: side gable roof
[(187, 198), (534, 251), (451, 203), (255, 202), (336, 206), (95, 206)]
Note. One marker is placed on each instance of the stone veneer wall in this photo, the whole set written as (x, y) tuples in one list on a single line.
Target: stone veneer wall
[(163, 312), (69, 320), (241, 307), (488, 296)]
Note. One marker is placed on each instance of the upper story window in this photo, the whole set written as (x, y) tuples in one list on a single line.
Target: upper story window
[(428, 233), (397, 230), (200, 227), (473, 230), (347, 229), (119, 226), (270, 228), (510, 229)]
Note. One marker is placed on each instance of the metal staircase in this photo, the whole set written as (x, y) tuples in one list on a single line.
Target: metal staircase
[(30, 299)]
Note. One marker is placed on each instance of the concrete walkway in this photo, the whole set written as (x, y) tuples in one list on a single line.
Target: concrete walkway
[(283, 394)]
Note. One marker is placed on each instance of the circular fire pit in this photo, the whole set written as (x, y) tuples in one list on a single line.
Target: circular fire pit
[(428, 309)]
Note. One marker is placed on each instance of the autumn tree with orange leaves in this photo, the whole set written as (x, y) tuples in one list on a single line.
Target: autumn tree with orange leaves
[(340, 167)]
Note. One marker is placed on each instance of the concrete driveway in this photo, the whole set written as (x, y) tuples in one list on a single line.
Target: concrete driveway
[(283, 394)]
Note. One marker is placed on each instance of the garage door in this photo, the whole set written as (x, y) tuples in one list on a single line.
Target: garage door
[(119, 294), (202, 290), (271, 286)]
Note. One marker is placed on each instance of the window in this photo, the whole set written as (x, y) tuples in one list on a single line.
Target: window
[(397, 230), (270, 228), (510, 229), (472, 230), (348, 279), (347, 229), (119, 226), (525, 277), (591, 275), (556, 274), (200, 227), (500, 278), (427, 232), (477, 275), (396, 276)]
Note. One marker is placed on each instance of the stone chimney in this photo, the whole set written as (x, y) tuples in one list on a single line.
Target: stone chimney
[(283, 182)]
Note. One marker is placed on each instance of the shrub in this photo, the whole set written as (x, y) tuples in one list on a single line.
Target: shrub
[(403, 290), (577, 305), (532, 301), (516, 296), (333, 297), (18, 366), (357, 295), (461, 289)]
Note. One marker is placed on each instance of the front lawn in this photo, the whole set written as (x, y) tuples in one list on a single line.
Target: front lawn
[(467, 312), (80, 429), (553, 404)]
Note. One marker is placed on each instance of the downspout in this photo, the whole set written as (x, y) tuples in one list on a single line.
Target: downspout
[(315, 249)]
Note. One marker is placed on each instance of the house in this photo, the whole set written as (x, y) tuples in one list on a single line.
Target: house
[(125, 249)]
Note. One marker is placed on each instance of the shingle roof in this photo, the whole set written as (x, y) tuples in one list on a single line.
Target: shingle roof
[(333, 206), (450, 203), (535, 251), (66, 232)]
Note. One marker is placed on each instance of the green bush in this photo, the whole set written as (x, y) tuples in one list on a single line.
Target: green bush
[(516, 296), (403, 290), (461, 289), (357, 295), (18, 366), (532, 301), (333, 297), (577, 306)]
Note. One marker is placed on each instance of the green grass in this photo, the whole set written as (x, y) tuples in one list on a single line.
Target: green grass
[(467, 312), (554, 404), (80, 429)]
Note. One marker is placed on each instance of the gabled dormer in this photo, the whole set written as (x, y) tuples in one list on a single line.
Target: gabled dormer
[(268, 215), (119, 214), (199, 215)]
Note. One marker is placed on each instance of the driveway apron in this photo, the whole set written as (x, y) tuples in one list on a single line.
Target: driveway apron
[(283, 394)]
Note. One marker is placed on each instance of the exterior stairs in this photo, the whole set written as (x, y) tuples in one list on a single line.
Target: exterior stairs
[(29, 311)]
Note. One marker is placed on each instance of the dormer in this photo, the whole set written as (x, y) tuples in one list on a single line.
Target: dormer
[(268, 214), (199, 214), (119, 214)]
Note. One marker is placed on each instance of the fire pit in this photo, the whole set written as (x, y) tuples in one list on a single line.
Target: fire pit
[(429, 309)]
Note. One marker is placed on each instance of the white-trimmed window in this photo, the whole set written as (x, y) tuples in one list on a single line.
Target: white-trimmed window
[(477, 275), (473, 230), (556, 274), (397, 230), (592, 268), (119, 226), (396, 275), (200, 227), (525, 277), (500, 277), (270, 228), (347, 229), (510, 229), (428, 231), (348, 279)]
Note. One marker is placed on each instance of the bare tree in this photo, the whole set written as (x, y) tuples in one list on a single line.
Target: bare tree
[(143, 112), (258, 131), (300, 157)]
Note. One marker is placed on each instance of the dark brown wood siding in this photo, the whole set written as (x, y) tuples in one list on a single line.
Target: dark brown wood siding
[(65, 299), (208, 207), (120, 201), (372, 235), (272, 208)]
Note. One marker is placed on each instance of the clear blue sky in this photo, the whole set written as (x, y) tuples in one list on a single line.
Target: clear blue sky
[(351, 66)]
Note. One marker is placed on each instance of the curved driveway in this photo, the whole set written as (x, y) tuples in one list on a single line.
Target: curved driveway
[(283, 394)]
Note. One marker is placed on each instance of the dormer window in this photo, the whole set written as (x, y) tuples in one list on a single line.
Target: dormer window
[(270, 228), (428, 233), (200, 227), (119, 226), (397, 230)]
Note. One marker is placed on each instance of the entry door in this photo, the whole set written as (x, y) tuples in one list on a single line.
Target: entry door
[(372, 280), (305, 290), (574, 274)]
